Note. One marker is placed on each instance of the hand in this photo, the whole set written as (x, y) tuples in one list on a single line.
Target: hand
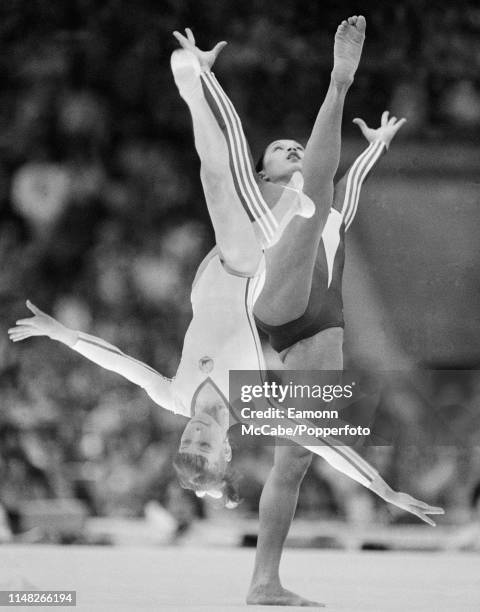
[(205, 58), (405, 501), (40, 324), (386, 131)]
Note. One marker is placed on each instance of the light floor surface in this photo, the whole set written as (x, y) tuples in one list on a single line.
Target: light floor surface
[(208, 580)]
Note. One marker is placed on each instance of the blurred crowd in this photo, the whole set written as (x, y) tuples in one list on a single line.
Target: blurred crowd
[(102, 223)]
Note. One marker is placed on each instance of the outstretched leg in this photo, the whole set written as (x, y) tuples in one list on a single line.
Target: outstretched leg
[(227, 172), (291, 261), (234, 232)]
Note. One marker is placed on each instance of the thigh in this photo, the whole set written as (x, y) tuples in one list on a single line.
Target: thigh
[(234, 233), (290, 266), (323, 351)]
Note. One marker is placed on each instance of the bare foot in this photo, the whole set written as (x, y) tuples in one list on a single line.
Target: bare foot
[(348, 49), (278, 596)]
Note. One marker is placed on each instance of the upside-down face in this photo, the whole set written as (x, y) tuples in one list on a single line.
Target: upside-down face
[(204, 436), (203, 456), (204, 450)]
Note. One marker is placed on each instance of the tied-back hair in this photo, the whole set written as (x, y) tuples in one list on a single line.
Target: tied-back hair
[(197, 473), (259, 164)]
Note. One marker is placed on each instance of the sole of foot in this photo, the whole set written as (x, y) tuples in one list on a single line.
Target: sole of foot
[(347, 50)]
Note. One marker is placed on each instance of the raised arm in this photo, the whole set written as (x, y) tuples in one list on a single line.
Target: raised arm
[(347, 190), (97, 350)]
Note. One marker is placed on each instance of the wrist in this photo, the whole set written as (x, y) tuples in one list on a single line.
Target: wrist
[(385, 141), (65, 335), (379, 485)]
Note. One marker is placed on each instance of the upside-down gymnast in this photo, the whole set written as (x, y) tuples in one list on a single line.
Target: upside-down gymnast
[(221, 335)]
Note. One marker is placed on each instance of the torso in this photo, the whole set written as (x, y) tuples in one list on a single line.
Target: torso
[(222, 335)]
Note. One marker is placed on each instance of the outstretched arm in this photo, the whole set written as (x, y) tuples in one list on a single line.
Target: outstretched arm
[(347, 190), (346, 460), (97, 350)]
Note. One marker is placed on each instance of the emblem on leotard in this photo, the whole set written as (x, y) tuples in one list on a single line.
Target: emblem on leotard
[(205, 364)]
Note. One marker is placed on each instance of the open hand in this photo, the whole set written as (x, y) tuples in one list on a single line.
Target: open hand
[(387, 130), (205, 58), (417, 507), (40, 324), (405, 501)]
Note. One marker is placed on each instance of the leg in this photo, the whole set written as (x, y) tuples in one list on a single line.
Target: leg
[(324, 351), (277, 507), (280, 493), (234, 233), (291, 261), (226, 167)]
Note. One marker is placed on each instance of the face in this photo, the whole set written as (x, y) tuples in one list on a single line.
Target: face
[(206, 433), (282, 158), (203, 436)]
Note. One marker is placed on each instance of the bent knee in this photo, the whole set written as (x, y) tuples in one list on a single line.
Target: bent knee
[(238, 260)]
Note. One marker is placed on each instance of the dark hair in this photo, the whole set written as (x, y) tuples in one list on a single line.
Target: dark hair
[(197, 473), (259, 164), (475, 496)]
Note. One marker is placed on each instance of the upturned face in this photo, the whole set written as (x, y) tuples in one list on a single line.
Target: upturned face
[(281, 159)]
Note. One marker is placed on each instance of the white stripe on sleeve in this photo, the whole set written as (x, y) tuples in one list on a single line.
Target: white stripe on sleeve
[(112, 358), (356, 176)]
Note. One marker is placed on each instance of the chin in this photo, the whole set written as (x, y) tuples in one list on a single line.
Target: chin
[(296, 167)]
